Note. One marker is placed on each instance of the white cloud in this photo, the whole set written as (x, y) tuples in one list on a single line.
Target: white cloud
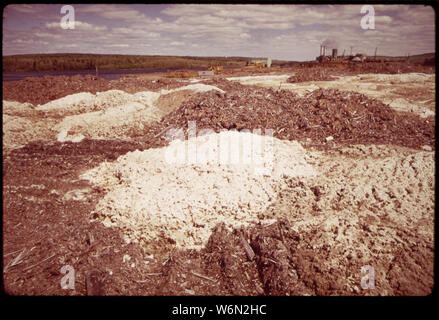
[(141, 32), (121, 45), (25, 8), (119, 12), (47, 35), (281, 31)]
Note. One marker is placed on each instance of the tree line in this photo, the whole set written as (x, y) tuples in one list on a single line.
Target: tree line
[(74, 62)]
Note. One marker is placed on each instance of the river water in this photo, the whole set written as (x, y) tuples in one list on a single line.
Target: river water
[(105, 74)]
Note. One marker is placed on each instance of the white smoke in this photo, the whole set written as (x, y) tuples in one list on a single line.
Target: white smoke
[(330, 44)]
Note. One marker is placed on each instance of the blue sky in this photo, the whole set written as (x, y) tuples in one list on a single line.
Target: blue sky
[(288, 32)]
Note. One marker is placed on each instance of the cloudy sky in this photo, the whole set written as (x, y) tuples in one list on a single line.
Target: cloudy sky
[(290, 32)]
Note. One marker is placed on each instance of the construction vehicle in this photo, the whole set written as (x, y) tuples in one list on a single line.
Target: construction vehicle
[(215, 69), (260, 63)]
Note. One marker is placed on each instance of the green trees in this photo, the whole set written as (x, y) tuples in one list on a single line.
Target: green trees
[(71, 62)]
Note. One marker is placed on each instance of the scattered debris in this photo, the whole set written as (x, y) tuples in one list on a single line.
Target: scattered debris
[(156, 198), (248, 250), (330, 138), (202, 277), (94, 284), (372, 201), (427, 148), (348, 117)]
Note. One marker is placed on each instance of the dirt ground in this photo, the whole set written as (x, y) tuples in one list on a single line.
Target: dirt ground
[(370, 203)]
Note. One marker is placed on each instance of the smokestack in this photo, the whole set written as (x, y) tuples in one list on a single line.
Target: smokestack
[(334, 53)]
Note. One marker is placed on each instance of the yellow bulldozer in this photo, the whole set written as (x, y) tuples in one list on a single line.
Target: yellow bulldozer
[(215, 69), (260, 63)]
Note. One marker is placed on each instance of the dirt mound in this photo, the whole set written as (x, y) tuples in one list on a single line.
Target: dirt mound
[(312, 75), (116, 122), (352, 68), (223, 268), (157, 196), (109, 114), (101, 149), (136, 84), (388, 68), (370, 205), (363, 209), (259, 80), (167, 103), (14, 108), (328, 71), (112, 114), (350, 118), (408, 92), (17, 131), (41, 90)]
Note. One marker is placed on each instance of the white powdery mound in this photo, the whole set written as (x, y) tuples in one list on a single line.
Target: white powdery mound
[(427, 113), (153, 199), (264, 80), (263, 77), (114, 122), (17, 108), (72, 101), (199, 87), (109, 114), (87, 102), (396, 78)]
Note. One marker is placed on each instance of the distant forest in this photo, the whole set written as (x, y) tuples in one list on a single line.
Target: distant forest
[(74, 62)]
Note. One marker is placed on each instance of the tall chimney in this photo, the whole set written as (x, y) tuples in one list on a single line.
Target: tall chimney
[(334, 53)]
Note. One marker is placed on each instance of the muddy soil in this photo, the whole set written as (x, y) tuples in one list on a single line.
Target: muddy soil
[(371, 204), (349, 118), (410, 92), (317, 247), (42, 90)]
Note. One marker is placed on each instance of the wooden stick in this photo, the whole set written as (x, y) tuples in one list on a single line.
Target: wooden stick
[(149, 275), (18, 259), (248, 250), (202, 277), (5, 255), (39, 262), (161, 131)]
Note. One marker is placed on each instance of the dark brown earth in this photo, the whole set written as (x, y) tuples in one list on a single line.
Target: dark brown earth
[(350, 118), (48, 88), (43, 230), (330, 71), (314, 75), (52, 232)]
